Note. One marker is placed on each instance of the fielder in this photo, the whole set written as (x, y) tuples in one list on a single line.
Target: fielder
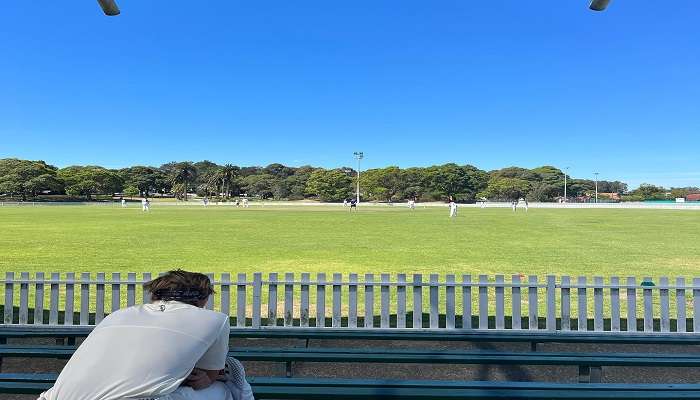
[(453, 209)]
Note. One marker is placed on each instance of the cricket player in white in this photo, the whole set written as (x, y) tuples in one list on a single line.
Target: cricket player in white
[(453, 209), (167, 350), (144, 204)]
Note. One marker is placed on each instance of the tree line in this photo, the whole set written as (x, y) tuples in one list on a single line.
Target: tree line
[(27, 179)]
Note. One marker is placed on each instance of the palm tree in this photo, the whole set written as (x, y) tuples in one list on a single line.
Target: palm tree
[(184, 172), (225, 178)]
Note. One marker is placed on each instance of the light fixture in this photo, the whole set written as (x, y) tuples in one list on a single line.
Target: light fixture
[(599, 5), (109, 7)]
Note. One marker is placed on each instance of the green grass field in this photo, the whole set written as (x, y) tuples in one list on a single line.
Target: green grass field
[(322, 239)]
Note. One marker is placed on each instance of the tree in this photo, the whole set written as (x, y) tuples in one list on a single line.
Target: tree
[(648, 191), (259, 185), (278, 170), (90, 180), (508, 189), (542, 192), (461, 183), (412, 183), (183, 173), (145, 179), (28, 178), (329, 185), (382, 183), (131, 191), (226, 179)]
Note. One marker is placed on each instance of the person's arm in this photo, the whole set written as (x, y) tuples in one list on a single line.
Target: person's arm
[(201, 378), (208, 367)]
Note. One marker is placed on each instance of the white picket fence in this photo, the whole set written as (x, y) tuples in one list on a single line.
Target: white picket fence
[(378, 301)]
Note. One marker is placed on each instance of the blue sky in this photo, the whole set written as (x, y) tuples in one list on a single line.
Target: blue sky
[(410, 83)]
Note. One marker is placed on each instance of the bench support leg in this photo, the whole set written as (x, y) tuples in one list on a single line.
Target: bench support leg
[(288, 369), (2, 341), (590, 374)]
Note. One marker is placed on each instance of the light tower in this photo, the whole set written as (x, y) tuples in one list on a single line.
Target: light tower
[(566, 171), (596, 186), (359, 156)]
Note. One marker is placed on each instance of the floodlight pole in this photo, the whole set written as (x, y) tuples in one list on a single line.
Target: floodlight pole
[(596, 186), (566, 171), (359, 156)]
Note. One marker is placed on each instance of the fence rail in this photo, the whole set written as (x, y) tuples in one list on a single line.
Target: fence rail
[(336, 300)]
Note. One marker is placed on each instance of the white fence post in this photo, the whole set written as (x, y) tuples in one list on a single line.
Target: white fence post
[(648, 307), (466, 302), (100, 297), (450, 302), (533, 322), (417, 301), (130, 288), (598, 304), (225, 293), (631, 304), (665, 320), (401, 301), (369, 301), (500, 303), (116, 298), (39, 299), (565, 303), (337, 319), (272, 300), (385, 311), (483, 302), (582, 304), (257, 299), (9, 297), (288, 299), (210, 299), (85, 298), (517, 317), (434, 301), (321, 300), (352, 301), (53, 300), (680, 305), (146, 295), (304, 303), (69, 306), (551, 303), (615, 304), (241, 298), (24, 298)]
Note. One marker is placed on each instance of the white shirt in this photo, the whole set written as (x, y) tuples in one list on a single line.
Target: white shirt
[(142, 351)]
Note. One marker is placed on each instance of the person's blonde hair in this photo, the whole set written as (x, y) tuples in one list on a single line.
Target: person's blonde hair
[(179, 285)]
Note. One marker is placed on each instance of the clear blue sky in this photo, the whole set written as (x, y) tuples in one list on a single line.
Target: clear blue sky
[(409, 82)]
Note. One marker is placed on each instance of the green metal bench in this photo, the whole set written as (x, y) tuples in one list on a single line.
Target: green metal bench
[(532, 337), (311, 389), (589, 364)]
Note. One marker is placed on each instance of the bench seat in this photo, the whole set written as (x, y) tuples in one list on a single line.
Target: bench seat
[(340, 389)]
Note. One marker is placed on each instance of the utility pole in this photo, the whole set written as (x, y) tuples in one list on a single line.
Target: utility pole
[(596, 186), (359, 156)]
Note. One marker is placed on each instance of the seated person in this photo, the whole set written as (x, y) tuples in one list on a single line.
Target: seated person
[(170, 349)]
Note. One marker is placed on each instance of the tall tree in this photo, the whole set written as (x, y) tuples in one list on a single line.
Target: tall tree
[(329, 185), (90, 180), (27, 178), (183, 173)]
